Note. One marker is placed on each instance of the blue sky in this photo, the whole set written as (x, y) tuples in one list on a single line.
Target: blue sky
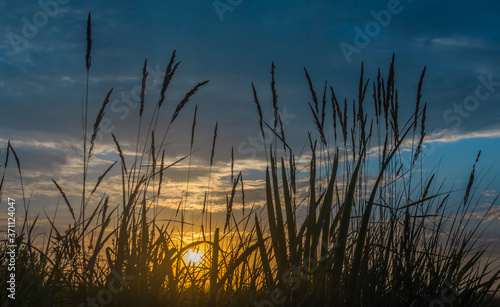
[(232, 43)]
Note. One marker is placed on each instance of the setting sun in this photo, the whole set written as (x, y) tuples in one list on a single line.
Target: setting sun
[(249, 153), (192, 257)]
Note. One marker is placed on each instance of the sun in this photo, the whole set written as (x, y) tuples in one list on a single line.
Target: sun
[(193, 258)]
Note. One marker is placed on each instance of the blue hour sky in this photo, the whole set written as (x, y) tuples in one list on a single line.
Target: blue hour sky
[(232, 43)]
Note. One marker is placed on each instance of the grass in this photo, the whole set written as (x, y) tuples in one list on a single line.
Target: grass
[(350, 222)]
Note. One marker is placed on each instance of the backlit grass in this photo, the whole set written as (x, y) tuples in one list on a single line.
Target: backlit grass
[(349, 222)]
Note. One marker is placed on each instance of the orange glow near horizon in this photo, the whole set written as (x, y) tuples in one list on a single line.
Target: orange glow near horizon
[(193, 257)]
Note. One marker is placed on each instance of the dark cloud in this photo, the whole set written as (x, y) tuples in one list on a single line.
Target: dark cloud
[(42, 87)]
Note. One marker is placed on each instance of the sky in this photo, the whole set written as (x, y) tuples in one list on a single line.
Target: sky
[(232, 43)]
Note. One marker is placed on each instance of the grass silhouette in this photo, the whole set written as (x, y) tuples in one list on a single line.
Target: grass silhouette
[(372, 236)]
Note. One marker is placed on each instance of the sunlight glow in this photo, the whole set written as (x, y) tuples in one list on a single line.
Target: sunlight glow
[(193, 258)]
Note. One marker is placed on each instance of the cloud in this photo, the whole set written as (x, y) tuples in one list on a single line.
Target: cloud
[(452, 136), (491, 193), (490, 215), (42, 87), (454, 42)]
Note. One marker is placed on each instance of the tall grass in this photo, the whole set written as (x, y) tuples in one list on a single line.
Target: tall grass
[(349, 223)]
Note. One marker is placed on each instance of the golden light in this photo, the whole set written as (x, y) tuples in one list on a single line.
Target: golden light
[(192, 257)]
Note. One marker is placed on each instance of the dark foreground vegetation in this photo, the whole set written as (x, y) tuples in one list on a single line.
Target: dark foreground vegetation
[(358, 224)]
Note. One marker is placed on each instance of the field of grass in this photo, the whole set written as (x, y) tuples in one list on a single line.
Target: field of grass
[(357, 224)]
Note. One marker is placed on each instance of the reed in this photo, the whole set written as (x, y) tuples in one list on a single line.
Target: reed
[(326, 233)]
